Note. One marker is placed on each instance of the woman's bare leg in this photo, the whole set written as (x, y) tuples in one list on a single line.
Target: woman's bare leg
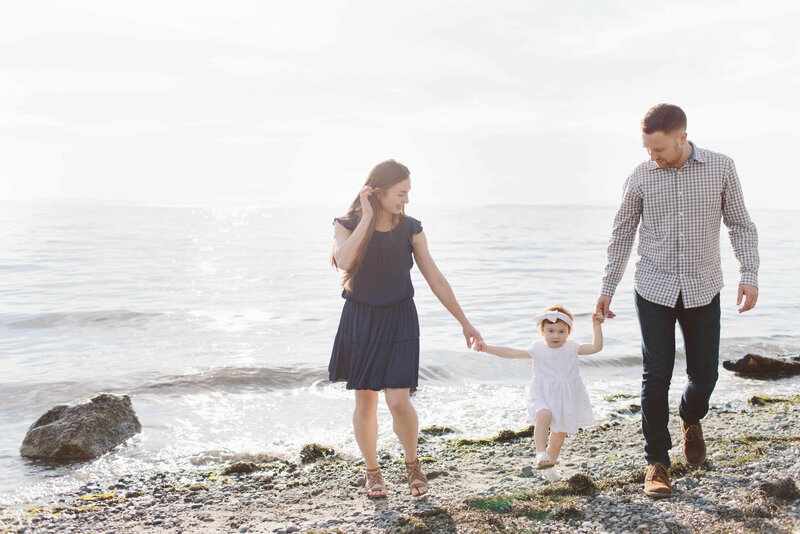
[(406, 426), (365, 425), (405, 421)]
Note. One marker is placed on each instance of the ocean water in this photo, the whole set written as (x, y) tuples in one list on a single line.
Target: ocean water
[(218, 322)]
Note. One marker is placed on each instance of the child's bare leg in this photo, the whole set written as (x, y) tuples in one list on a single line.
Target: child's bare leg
[(541, 429), (556, 441)]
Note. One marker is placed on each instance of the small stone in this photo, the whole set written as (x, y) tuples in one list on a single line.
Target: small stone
[(527, 471)]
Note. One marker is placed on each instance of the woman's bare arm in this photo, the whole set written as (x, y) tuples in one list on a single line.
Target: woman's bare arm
[(441, 287)]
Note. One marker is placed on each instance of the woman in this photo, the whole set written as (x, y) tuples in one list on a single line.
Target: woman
[(377, 345)]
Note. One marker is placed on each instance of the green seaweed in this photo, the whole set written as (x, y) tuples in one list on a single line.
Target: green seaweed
[(497, 503), (240, 468), (435, 430), (749, 447), (504, 436), (432, 520), (618, 396), (759, 400), (99, 497), (578, 484), (313, 452), (466, 442), (634, 477)]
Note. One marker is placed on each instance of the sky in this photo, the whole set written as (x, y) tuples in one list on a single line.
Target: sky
[(521, 102)]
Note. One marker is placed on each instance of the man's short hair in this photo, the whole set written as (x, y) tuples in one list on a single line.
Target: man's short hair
[(663, 118)]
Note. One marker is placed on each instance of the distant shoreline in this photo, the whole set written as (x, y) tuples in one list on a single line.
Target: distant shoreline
[(332, 208)]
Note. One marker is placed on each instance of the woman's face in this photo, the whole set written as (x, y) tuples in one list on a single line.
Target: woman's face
[(393, 199)]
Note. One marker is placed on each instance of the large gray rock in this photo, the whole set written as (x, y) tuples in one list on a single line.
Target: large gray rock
[(753, 365), (83, 431)]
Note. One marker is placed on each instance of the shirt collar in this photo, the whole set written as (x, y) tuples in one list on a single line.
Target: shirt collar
[(691, 156), (697, 154)]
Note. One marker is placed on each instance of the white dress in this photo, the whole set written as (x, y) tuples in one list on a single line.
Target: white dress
[(557, 386)]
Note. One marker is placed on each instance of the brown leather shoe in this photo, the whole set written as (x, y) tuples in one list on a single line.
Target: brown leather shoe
[(694, 446), (656, 481)]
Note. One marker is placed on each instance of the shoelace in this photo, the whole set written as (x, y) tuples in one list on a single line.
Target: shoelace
[(693, 432), (659, 471)]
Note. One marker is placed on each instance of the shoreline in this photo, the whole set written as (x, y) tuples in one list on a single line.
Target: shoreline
[(749, 483)]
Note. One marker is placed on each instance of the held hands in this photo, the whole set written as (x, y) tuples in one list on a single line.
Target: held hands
[(604, 307), (598, 318), (472, 335), (480, 346), (750, 294)]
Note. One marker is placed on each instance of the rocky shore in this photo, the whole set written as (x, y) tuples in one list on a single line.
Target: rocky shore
[(749, 483)]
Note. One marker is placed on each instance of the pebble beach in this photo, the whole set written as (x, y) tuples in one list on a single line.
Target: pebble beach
[(749, 483)]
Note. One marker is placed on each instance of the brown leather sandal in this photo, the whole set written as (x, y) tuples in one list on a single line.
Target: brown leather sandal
[(373, 482), (416, 478)]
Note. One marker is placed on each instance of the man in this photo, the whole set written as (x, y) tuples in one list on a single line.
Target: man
[(677, 199)]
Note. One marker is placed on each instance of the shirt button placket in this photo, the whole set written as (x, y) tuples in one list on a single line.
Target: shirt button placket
[(681, 188)]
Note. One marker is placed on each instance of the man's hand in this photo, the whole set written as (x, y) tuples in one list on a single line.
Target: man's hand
[(604, 307), (750, 294)]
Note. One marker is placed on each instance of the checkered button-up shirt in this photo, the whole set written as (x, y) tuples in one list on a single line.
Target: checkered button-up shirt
[(680, 212)]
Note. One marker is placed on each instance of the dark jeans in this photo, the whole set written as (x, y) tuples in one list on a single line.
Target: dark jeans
[(700, 327)]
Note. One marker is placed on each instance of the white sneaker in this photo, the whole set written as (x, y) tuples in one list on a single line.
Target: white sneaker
[(543, 460), (551, 475)]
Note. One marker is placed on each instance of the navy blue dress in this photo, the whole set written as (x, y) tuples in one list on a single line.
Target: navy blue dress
[(377, 345)]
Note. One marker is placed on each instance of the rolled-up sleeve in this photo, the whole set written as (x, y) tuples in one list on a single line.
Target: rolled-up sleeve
[(623, 234), (742, 230)]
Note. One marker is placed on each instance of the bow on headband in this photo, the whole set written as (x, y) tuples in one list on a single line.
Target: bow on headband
[(552, 316)]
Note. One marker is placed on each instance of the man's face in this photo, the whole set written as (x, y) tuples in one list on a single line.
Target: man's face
[(665, 149)]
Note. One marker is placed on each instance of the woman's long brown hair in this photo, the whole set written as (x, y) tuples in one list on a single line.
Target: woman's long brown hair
[(382, 176)]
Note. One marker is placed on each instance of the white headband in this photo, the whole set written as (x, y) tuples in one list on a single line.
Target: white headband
[(552, 316)]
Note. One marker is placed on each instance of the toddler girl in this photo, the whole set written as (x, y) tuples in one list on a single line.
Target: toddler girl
[(559, 403)]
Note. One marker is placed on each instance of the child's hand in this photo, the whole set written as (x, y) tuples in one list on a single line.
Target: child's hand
[(480, 346), (598, 317)]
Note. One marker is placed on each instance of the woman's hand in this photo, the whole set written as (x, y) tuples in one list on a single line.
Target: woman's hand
[(471, 334), (366, 206)]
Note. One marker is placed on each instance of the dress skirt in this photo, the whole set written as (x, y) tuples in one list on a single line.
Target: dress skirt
[(376, 347), (566, 399)]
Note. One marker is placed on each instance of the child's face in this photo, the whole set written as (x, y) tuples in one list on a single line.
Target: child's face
[(555, 334)]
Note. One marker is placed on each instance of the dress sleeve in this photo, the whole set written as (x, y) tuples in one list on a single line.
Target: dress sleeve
[(416, 226), (347, 223), (532, 352), (574, 346)]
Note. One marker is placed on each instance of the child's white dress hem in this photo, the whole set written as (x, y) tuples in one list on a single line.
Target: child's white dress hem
[(557, 386)]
